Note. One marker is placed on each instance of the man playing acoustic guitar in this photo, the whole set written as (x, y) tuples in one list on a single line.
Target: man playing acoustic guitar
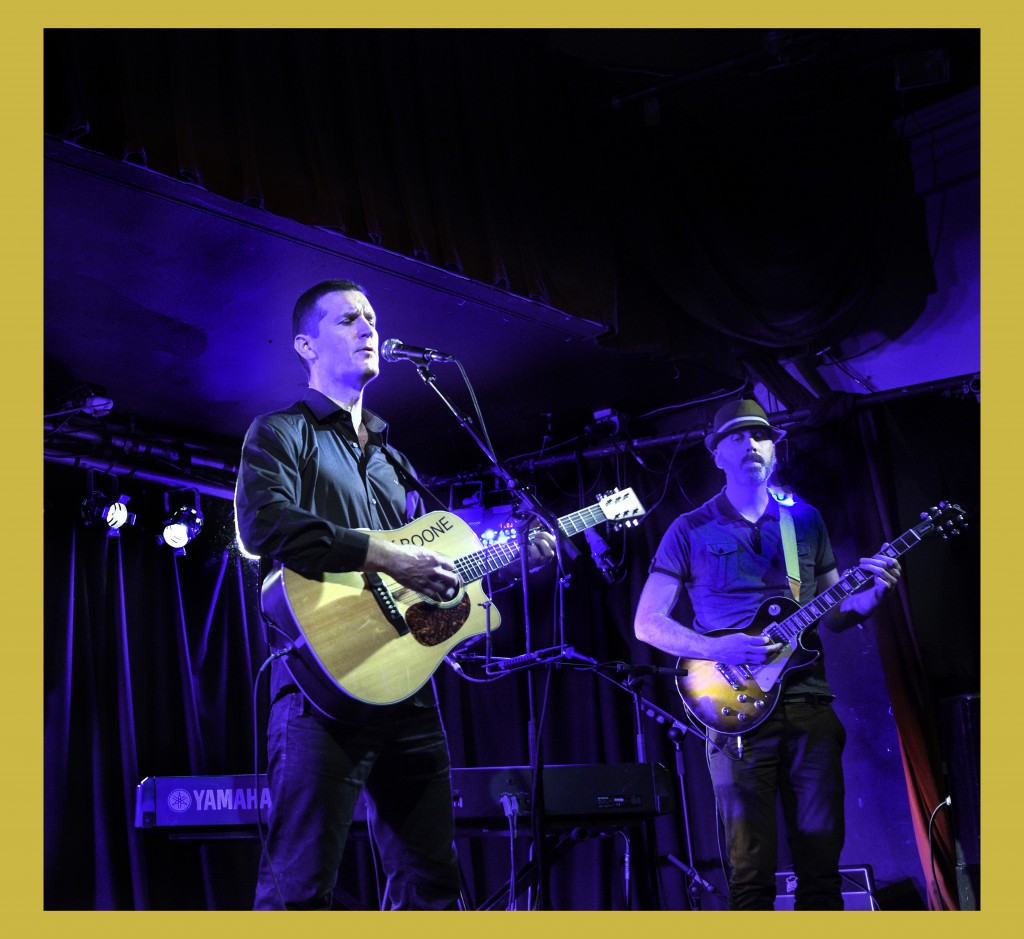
[(730, 555), (311, 476)]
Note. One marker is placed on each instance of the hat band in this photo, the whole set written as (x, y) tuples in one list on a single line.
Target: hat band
[(736, 421)]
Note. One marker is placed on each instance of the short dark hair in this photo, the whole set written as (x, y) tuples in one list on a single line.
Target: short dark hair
[(306, 316)]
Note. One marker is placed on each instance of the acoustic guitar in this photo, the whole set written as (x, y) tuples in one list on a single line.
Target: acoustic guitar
[(365, 636)]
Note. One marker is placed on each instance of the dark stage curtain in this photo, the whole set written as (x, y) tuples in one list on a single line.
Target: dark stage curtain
[(709, 234), (914, 689), (150, 662), (876, 472), (443, 145)]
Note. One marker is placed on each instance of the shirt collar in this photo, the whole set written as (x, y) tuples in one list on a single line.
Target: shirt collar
[(726, 508), (324, 409)]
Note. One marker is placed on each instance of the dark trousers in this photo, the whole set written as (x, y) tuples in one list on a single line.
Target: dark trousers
[(317, 768), (795, 758)]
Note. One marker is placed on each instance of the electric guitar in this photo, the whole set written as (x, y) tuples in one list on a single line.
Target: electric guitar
[(366, 636), (734, 699)]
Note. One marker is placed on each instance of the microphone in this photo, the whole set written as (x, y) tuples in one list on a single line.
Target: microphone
[(394, 350), (601, 552), (694, 876)]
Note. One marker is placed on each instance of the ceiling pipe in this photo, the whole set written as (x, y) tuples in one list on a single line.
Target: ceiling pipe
[(183, 453), (114, 451), (189, 457), (113, 467), (966, 384)]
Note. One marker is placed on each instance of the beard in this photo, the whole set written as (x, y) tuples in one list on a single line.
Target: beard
[(758, 470)]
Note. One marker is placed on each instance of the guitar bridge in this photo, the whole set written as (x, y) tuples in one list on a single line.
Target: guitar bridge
[(386, 603)]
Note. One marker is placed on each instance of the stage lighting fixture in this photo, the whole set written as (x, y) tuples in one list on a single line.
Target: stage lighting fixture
[(783, 495), (184, 521), (85, 403), (99, 509)]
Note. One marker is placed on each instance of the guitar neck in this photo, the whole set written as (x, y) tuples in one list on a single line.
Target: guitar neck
[(852, 580), (575, 522), (472, 567)]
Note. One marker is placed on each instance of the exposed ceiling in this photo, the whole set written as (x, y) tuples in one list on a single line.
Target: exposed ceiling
[(175, 302), (158, 297)]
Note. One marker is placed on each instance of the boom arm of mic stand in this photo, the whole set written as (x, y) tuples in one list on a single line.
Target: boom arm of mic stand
[(429, 379), (650, 709)]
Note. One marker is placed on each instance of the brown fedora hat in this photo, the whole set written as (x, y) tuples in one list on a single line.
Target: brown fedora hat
[(737, 415)]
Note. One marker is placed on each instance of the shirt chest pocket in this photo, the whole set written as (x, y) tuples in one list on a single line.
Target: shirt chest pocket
[(720, 563), (806, 560)]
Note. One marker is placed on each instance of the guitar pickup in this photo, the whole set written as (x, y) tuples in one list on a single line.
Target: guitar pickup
[(727, 673), (386, 602)]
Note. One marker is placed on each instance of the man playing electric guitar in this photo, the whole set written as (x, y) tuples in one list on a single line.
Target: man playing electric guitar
[(730, 555), (313, 477)]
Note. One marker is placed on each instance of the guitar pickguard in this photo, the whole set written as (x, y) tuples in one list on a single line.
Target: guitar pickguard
[(431, 623)]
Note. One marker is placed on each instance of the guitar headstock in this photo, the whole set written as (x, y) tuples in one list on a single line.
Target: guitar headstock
[(945, 519), (623, 508)]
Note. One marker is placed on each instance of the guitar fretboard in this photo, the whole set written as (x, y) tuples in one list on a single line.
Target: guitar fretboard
[(852, 580), (477, 564)]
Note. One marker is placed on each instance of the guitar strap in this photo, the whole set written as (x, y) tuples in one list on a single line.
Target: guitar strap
[(408, 479), (789, 548)]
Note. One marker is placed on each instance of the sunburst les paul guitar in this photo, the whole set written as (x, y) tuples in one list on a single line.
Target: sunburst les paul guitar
[(366, 636), (734, 699)]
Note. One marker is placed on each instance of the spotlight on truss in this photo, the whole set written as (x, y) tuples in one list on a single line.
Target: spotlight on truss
[(100, 509), (184, 519)]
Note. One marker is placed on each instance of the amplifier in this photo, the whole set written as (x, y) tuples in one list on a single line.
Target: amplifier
[(585, 795)]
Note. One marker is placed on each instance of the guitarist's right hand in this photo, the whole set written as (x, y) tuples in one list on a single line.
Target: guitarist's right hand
[(421, 570), (739, 648)]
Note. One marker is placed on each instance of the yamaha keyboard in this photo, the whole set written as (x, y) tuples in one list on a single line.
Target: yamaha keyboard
[(597, 796)]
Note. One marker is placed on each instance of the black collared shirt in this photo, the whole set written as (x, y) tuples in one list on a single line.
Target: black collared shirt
[(304, 486), (729, 566)]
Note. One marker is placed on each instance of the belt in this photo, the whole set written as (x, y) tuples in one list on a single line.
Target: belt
[(808, 698)]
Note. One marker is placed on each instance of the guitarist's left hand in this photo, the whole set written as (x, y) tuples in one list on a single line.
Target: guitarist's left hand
[(862, 604), (887, 573), (542, 549)]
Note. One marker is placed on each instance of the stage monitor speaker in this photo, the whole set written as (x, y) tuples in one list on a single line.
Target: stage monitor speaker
[(858, 889)]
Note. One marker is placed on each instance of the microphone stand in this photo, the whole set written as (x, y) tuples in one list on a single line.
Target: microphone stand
[(676, 730), (466, 422), (531, 504)]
